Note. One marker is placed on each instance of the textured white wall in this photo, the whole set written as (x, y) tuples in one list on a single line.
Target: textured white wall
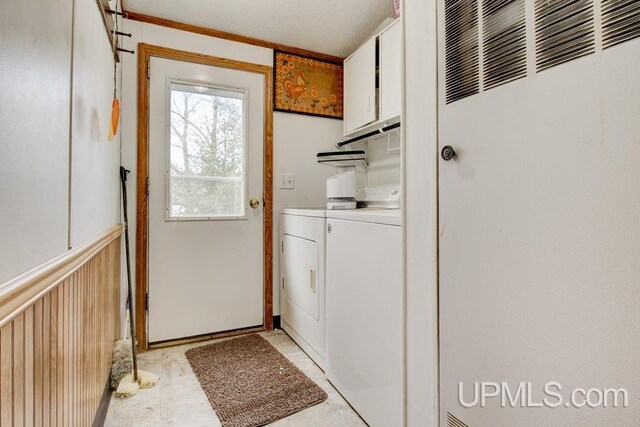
[(420, 156), (95, 189), (297, 138), (35, 125), (384, 165), (34, 132)]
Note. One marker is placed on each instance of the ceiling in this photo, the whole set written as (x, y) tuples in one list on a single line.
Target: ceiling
[(334, 27)]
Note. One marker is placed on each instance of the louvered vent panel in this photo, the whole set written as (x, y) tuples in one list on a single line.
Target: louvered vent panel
[(564, 31), (452, 421), (461, 49), (505, 41), (620, 21)]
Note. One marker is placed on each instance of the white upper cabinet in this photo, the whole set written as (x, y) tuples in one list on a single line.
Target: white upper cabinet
[(372, 81), (360, 87), (390, 70)]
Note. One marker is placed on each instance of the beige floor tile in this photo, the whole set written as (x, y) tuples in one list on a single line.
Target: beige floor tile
[(178, 400)]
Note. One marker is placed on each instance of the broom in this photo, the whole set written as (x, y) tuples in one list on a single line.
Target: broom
[(130, 383)]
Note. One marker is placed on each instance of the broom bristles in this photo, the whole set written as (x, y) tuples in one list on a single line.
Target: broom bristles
[(127, 387), (147, 379)]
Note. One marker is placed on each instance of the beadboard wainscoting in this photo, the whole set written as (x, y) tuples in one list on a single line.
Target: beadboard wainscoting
[(58, 326)]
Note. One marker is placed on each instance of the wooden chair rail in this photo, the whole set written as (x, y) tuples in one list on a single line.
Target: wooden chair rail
[(19, 293)]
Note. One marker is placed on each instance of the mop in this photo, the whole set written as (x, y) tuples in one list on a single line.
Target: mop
[(128, 384)]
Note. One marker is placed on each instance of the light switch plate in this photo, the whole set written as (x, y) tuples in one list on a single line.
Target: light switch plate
[(286, 181)]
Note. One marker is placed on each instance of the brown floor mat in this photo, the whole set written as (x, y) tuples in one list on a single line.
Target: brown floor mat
[(249, 383)]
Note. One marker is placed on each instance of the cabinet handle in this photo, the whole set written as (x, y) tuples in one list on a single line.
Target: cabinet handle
[(312, 280)]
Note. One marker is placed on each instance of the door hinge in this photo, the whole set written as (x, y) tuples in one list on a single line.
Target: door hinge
[(146, 302), (148, 70), (148, 185)]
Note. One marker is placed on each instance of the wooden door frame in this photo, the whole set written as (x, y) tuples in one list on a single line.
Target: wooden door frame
[(145, 53)]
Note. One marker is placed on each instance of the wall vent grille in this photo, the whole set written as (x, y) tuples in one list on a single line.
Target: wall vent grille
[(564, 31), (452, 421), (462, 61), (620, 21), (504, 41)]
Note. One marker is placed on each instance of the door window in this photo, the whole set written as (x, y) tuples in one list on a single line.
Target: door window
[(206, 171)]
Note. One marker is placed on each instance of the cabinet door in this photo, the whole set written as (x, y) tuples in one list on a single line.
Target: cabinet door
[(360, 87), (390, 72)]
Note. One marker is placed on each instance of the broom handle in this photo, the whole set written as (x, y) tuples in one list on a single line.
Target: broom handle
[(123, 179)]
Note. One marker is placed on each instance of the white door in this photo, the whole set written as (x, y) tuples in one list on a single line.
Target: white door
[(390, 71), (539, 222), (206, 131), (360, 87)]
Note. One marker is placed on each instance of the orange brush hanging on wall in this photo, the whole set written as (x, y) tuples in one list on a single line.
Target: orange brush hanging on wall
[(115, 104), (115, 118)]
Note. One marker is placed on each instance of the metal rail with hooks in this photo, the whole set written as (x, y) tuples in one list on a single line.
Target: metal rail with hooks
[(368, 135)]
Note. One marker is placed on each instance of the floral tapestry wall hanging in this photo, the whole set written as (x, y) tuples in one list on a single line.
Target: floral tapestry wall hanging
[(307, 86)]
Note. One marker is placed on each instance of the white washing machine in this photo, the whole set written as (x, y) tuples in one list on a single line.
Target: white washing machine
[(302, 278), (364, 312)]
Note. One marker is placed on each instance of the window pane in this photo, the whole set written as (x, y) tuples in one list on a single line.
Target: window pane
[(206, 166)]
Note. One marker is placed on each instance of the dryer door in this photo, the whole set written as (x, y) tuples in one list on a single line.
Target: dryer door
[(301, 274)]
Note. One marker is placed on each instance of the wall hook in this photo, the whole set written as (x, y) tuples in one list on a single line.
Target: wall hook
[(120, 33), (115, 12)]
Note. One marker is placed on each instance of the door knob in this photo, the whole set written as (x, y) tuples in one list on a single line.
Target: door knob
[(447, 153), (254, 203)]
